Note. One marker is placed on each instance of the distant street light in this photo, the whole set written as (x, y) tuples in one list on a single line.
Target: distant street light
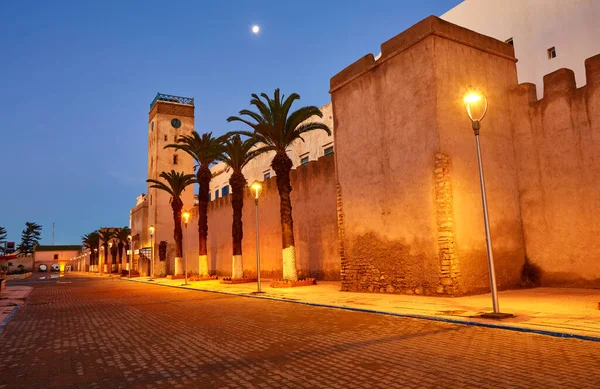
[(110, 244), (94, 268), (476, 105), (151, 229), (186, 218), (130, 240), (256, 189)]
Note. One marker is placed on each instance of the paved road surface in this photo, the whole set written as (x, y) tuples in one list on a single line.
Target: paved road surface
[(106, 333)]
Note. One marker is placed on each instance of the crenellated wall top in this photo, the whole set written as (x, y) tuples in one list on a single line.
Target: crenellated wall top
[(429, 26), (562, 82)]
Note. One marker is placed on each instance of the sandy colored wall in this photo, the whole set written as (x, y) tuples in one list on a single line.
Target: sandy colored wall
[(399, 122), (25, 261), (315, 227), (557, 140), (458, 65)]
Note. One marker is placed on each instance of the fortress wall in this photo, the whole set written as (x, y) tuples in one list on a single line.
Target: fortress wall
[(457, 65), (557, 142), (410, 216), (315, 227)]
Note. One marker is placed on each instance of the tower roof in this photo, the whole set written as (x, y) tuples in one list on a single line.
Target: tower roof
[(172, 99)]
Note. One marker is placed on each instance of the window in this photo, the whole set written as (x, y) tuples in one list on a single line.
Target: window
[(328, 151), (552, 52), (209, 197), (510, 41), (175, 159), (165, 138), (304, 160), (174, 138), (266, 175), (216, 194), (225, 191), (56, 257), (152, 126)]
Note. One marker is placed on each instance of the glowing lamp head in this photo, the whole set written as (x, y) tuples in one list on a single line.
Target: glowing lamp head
[(129, 238), (255, 29), (95, 250), (109, 244), (151, 230), (256, 188), (186, 217), (476, 104)]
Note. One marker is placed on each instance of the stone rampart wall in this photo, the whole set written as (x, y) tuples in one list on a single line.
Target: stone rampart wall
[(315, 227), (557, 144)]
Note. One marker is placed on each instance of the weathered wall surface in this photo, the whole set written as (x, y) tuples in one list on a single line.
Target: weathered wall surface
[(557, 141), (315, 227), (472, 59), (26, 261), (411, 218)]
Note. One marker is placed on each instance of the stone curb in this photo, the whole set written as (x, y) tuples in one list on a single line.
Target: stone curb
[(8, 318), (405, 315)]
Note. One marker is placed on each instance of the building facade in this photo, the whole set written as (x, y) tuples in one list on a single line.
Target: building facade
[(47, 258), (546, 34)]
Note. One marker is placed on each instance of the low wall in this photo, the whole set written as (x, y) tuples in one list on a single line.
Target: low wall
[(27, 262), (13, 277), (315, 227)]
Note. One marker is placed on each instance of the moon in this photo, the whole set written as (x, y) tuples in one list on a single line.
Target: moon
[(255, 29)]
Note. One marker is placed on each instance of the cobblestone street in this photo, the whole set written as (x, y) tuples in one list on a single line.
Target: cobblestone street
[(107, 333)]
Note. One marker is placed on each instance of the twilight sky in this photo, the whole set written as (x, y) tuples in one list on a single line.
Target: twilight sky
[(77, 78)]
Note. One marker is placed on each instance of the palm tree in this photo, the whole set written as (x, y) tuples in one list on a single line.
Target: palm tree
[(205, 149), (106, 234), (113, 255), (277, 129), (123, 239), (237, 155), (91, 241), (176, 184)]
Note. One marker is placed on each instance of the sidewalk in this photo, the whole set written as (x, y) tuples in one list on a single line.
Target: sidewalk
[(551, 311), (11, 299)]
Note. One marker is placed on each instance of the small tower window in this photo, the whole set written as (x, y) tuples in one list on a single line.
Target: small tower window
[(304, 161), (266, 175), (175, 159), (152, 126), (165, 138), (225, 191), (552, 52)]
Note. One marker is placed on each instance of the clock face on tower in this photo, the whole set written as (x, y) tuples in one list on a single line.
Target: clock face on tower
[(176, 123)]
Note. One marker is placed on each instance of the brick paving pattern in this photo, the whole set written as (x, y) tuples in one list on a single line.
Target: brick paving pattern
[(102, 333)]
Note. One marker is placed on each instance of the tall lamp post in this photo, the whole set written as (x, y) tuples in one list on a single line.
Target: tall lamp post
[(102, 271), (106, 256), (96, 259), (151, 229), (130, 240), (476, 105), (186, 218), (256, 188)]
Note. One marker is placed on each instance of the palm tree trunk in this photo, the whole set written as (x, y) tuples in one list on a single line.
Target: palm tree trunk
[(282, 164), (204, 176), (238, 183), (177, 205), (121, 245)]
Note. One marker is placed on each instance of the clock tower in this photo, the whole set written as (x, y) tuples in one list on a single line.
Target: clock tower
[(170, 117)]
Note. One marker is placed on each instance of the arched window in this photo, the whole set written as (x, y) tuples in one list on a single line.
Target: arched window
[(174, 159)]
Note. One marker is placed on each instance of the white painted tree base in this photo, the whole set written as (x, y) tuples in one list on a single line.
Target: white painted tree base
[(237, 268), (289, 264), (178, 266), (203, 265)]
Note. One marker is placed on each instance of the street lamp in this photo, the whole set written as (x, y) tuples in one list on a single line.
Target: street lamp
[(103, 263), (256, 189), (186, 218), (110, 251), (476, 105), (151, 229), (129, 239), (96, 259)]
